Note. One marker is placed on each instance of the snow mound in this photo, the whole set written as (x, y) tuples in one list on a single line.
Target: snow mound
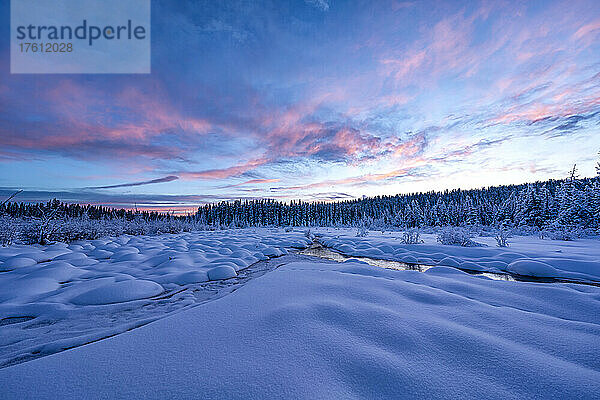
[(17, 262), (100, 254), (344, 331), (221, 272), (449, 262), (409, 259), (119, 292), (272, 252), (73, 256), (58, 270), (472, 266), (532, 268), (27, 287)]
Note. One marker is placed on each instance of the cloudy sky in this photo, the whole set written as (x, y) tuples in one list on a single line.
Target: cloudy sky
[(315, 99)]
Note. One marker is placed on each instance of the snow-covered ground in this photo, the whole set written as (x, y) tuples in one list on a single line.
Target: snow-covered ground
[(527, 255), (307, 328), (61, 296)]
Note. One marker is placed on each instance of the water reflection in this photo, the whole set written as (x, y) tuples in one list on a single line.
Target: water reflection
[(316, 250)]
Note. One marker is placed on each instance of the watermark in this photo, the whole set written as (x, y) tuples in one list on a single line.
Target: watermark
[(79, 36)]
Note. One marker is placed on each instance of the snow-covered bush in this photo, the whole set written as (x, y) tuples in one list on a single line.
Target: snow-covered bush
[(411, 236), (456, 236), (485, 231), (561, 233), (42, 230), (60, 229), (362, 231), (309, 235), (10, 230), (501, 236)]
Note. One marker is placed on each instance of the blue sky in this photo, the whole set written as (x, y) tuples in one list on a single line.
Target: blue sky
[(317, 100)]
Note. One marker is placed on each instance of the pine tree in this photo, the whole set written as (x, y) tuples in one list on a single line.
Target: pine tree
[(572, 205), (470, 211), (595, 204), (530, 208)]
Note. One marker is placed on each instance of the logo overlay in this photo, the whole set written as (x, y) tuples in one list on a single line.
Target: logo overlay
[(80, 36)]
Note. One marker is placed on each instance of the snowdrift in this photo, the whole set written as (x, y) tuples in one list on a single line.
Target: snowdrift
[(345, 330), (579, 260)]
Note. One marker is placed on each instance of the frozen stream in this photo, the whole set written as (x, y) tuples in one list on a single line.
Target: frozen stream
[(317, 250)]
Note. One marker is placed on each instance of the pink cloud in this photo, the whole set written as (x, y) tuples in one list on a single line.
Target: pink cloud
[(222, 173), (254, 182), (592, 27), (356, 180), (537, 111), (446, 46), (400, 68)]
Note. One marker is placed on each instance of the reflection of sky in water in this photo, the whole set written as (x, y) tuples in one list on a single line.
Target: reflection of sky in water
[(323, 252), (326, 253)]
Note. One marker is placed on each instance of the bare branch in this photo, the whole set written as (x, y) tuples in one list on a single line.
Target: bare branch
[(13, 195)]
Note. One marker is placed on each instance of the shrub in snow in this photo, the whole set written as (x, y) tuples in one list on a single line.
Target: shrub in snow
[(41, 230), (309, 235), (456, 236), (362, 231), (9, 232), (501, 236), (55, 228), (561, 233), (525, 230), (411, 236)]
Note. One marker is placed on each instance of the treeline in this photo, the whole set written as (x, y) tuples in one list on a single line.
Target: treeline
[(55, 221), (66, 210), (570, 202)]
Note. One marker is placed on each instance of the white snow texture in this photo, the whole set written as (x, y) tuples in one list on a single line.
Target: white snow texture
[(314, 329)]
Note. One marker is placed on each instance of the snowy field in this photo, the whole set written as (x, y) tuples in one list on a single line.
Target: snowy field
[(60, 296), (526, 255), (239, 314)]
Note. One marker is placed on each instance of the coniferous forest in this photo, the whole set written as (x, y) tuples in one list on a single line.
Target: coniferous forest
[(570, 202), (568, 205)]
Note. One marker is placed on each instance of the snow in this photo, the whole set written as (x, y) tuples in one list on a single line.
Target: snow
[(221, 272), (26, 288), (67, 294), (119, 292), (18, 262), (167, 259), (532, 268), (197, 315), (576, 260), (344, 330)]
